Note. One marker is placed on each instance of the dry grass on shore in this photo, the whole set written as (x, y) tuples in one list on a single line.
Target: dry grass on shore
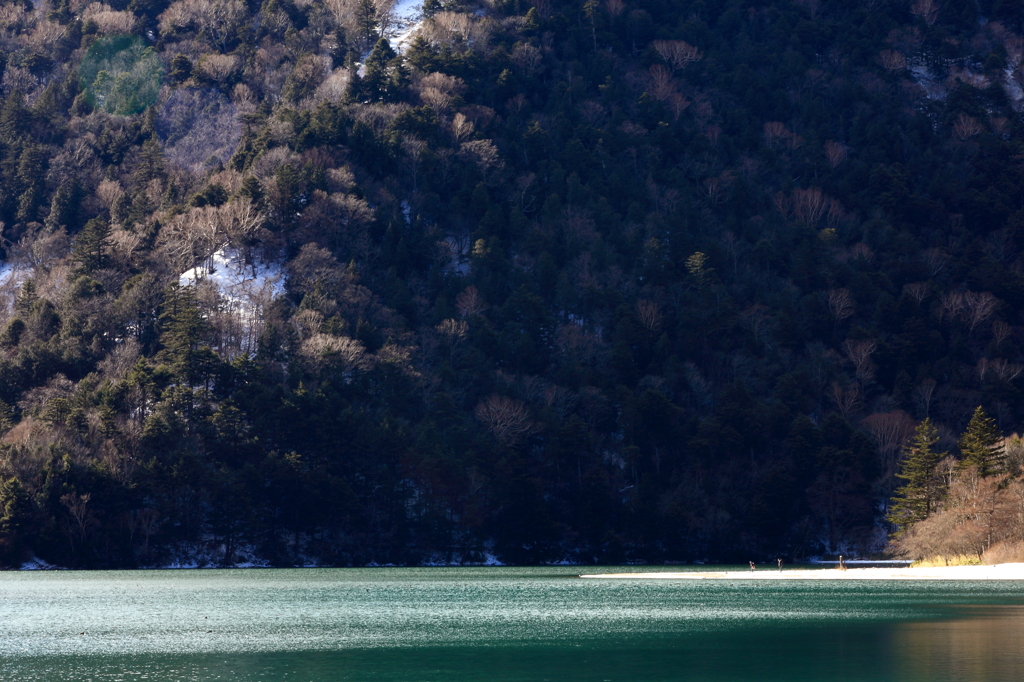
[(1004, 552), (941, 561)]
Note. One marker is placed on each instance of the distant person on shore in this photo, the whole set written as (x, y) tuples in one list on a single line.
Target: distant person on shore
[(780, 565), (842, 564), (752, 566)]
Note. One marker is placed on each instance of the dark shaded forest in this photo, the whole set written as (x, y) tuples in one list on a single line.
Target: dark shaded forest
[(565, 281)]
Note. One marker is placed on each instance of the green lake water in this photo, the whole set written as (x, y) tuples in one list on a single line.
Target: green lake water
[(500, 624)]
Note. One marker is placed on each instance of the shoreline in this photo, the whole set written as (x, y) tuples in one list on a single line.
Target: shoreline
[(996, 572)]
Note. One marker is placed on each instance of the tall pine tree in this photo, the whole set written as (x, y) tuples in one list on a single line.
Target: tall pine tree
[(184, 329), (915, 500), (981, 445), (91, 249)]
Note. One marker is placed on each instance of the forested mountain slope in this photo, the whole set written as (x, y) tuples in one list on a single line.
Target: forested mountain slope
[(621, 280)]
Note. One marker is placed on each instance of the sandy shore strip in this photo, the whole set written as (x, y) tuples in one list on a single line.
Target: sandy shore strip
[(997, 572)]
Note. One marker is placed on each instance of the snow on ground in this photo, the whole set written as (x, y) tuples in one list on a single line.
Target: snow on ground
[(228, 271), (997, 572), (409, 14), (12, 273), (933, 87), (12, 276), (36, 564), (1013, 89), (244, 289)]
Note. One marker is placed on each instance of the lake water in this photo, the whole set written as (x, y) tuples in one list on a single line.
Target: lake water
[(500, 624)]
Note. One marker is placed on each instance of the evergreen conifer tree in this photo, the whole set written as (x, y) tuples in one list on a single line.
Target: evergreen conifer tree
[(381, 70), (27, 298), (90, 250), (15, 510), (6, 417), (915, 500), (64, 206), (980, 445), (183, 331)]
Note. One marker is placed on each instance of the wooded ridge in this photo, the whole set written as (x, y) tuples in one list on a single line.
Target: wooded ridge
[(331, 282)]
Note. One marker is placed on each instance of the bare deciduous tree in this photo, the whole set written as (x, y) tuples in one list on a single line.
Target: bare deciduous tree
[(347, 355), (1000, 368), (782, 204), (835, 152), (773, 132), (454, 333), (917, 291), (891, 430), (809, 205), (859, 353), (966, 127), (928, 10), (677, 53), (840, 304), (192, 237), (462, 128), (437, 90), (470, 303), (846, 398), (649, 314), (506, 418), (970, 307), (758, 321), (78, 508), (979, 306), (924, 394), (892, 61), (936, 260), (659, 82), (108, 20), (214, 20), (527, 58), (1001, 332)]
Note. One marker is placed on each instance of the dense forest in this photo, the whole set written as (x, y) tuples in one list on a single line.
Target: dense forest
[(303, 283)]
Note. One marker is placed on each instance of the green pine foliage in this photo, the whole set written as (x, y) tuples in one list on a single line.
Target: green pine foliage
[(15, 517), (922, 490), (981, 445), (91, 251)]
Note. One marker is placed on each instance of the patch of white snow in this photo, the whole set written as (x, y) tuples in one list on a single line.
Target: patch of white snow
[(34, 563), (1013, 89), (409, 18), (933, 87), (245, 289), (12, 276)]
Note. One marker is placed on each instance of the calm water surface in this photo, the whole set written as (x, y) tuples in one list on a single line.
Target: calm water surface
[(499, 624)]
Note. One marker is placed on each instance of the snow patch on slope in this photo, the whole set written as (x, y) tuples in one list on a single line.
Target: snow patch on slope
[(233, 278), (12, 276), (245, 290), (1013, 89), (933, 86), (409, 16)]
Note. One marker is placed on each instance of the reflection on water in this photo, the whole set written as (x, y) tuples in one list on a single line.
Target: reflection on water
[(981, 644), (500, 625)]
